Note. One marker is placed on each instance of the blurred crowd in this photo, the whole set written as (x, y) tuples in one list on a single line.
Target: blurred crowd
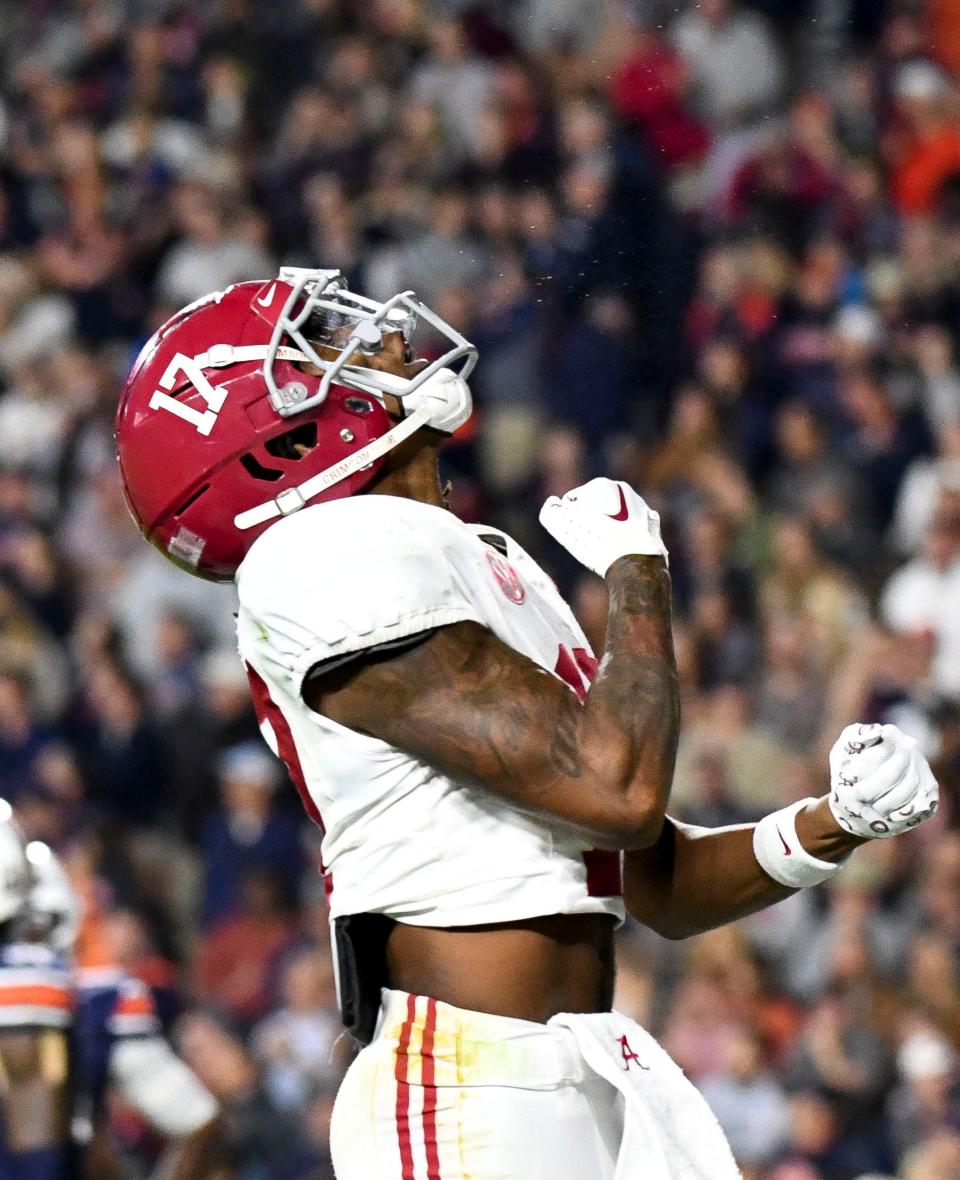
[(712, 248)]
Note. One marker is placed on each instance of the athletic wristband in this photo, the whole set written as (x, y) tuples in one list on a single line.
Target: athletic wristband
[(781, 855)]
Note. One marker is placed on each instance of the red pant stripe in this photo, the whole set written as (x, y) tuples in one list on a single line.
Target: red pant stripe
[(430, 1093), (403, 1090)]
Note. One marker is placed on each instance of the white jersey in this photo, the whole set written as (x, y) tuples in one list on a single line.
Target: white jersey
[(400, 838)]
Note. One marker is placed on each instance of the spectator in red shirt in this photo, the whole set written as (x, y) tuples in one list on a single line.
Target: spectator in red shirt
[(649, 90), (925, 148), (236, 963)]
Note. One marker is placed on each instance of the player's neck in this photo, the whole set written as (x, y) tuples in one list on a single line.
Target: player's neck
[(413, 472)]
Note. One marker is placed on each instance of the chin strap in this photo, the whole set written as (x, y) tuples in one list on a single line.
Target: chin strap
[(218, 356), (292, 499)]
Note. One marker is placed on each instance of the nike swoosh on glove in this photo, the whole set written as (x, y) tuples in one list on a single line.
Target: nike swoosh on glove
[(880, 783), (602, 521)]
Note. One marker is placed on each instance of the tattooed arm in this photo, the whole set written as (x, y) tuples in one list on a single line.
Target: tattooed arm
[(475, 709), (695, 879)]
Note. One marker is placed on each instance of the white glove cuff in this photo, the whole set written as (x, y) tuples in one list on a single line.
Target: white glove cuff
[(781, 855)]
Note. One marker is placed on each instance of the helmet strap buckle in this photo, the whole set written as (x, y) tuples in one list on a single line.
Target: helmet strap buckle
[(289, 500)]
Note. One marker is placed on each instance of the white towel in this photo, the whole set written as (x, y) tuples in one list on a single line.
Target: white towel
[(669, 1131)]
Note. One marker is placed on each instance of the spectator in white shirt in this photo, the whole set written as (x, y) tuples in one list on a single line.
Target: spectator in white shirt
[(736, 63), (922, 598), (454, 81), (749, 1102)]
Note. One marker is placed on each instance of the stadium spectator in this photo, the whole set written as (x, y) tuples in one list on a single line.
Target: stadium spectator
[(237, 961), (749, 1102), (922, 599), (926, 1100), (297, 1044), (736, 63), (248, 832)]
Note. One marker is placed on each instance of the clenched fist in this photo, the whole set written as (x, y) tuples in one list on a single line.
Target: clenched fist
[(602, 521), (880, 782)]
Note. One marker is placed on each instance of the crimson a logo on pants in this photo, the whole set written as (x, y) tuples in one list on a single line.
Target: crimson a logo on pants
[(507, 577), (628, 1055)]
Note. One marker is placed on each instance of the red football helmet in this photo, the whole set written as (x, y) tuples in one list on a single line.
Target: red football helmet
[(219, 432)]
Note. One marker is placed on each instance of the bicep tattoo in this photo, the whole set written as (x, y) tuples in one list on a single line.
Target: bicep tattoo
[(466, 704)]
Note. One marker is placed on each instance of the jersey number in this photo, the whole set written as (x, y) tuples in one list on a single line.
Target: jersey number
[(604, 869)]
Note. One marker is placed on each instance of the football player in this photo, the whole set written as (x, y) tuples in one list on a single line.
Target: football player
[(83, 1035), (492, 795), (36, 1012)]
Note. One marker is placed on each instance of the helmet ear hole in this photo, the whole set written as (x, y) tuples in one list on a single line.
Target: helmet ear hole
[(257, 469), (295, 443), (291, 446)]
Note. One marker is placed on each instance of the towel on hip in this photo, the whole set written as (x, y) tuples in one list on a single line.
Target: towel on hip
[(669, 1132)]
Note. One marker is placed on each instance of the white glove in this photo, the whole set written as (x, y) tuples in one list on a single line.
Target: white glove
[(880, 782), (601, 521)]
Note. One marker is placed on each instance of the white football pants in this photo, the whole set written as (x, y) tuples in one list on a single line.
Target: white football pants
[(446, 1094)]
